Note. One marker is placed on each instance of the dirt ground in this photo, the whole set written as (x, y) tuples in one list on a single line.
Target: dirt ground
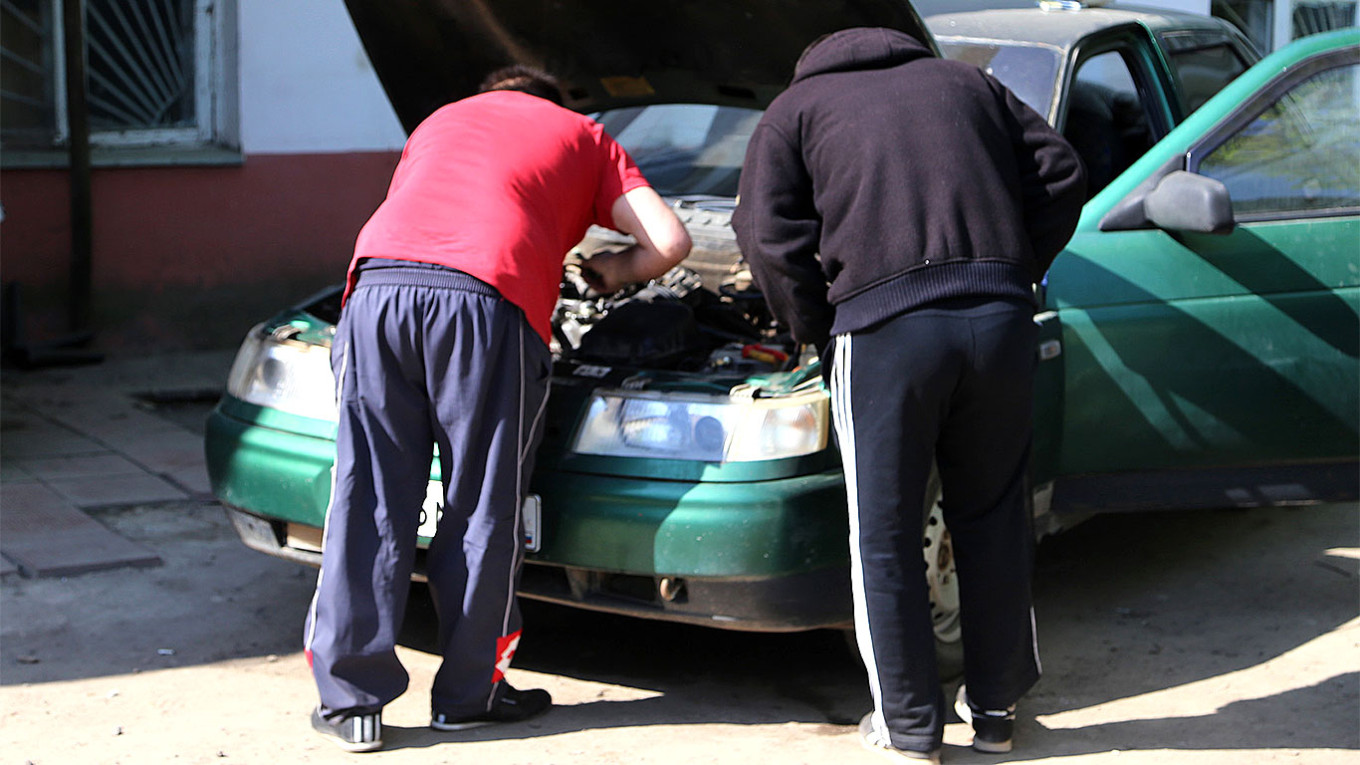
[(1204, 637)]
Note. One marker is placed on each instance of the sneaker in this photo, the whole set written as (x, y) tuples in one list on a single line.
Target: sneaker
[(353, 733), (513, 706), (993, 729), (875, 741)]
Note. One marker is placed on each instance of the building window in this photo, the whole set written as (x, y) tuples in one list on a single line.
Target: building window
[(27, 71), (1271, 24), (1314, 16), (1253, 17), (153, 73), (141, 64)]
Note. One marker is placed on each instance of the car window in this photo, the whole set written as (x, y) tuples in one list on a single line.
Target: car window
[(685, 149), (1029, 71), (1106, 121), (1302, 154), (1204, 71)]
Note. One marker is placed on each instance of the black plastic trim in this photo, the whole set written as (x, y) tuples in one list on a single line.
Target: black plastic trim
[(1209, 488), (795, 602)]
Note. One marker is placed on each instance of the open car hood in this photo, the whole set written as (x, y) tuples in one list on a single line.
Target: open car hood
[(607, 53)]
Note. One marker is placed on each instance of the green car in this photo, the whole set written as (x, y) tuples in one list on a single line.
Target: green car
[(1199, 335)]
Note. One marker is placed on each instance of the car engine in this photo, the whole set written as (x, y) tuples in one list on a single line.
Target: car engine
[(702, 315)]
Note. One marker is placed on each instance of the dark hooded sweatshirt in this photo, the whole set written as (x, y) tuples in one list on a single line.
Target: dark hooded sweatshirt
[(884, 179)]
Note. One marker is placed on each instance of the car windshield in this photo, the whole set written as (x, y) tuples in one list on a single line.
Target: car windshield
[(1028, 70), (696, 150), (685, 150)]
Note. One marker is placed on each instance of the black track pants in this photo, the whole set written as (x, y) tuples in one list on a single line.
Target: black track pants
[(417, 366), (951, 383)]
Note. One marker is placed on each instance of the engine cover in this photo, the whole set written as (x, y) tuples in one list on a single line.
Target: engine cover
[(643, 333)]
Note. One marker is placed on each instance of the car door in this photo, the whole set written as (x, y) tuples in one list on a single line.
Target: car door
[(1111, 113), (1202, 62), (1118, 102), (1224, 353)]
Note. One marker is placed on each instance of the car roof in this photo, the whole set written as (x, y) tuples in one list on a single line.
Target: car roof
[(1057, 28)]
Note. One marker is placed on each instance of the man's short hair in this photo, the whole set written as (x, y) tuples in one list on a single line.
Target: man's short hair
[(525, 79)]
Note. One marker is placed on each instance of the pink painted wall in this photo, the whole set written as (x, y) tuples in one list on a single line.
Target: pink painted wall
[(189, 257)]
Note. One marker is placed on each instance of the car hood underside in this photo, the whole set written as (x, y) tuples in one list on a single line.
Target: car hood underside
[(608, 53)]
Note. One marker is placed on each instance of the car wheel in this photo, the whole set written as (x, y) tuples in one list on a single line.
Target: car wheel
[(943, 583)]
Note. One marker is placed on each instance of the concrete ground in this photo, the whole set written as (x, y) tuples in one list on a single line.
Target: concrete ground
[(135, 628)]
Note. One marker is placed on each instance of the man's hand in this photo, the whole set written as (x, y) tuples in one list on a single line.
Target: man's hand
[(594, 279), (609, 271)]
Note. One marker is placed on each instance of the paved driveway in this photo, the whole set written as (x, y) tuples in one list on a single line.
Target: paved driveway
[(1214, 637), (1203, 637)]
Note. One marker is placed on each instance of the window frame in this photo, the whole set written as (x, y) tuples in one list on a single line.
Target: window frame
[(47, 31), (210, 139), (1134, 46), (205, 100), (1260, 101), (1178, 42)]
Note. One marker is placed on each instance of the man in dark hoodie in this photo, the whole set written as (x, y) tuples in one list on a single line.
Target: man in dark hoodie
[(899, 209)]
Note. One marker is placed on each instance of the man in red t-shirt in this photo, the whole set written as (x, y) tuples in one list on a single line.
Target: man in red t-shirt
[(444, 340)]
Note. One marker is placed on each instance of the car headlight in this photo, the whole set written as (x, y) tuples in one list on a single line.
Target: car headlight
[(271, 370), (703, 427)]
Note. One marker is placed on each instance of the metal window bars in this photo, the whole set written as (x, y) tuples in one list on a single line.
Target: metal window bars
[(27, 71), (1314, 16), (146, 67), (140, 63)]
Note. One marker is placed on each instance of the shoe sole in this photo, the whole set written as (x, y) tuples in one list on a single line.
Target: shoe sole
[(897, 755), (350, 746), (367, 746), (986, 747), (462, 725), (470, 724), (357, 747), (992, 747)]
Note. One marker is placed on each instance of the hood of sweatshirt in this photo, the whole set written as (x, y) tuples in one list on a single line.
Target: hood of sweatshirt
[(606, 53), (859, 49)]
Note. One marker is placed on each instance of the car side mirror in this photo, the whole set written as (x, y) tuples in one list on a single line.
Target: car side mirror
[(1174, 200), (1184, 201)]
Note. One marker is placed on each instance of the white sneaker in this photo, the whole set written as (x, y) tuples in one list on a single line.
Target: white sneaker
[(878, 742)]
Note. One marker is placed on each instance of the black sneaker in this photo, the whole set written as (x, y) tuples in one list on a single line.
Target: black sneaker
[(993, 729), (353, 733), (512, 706)]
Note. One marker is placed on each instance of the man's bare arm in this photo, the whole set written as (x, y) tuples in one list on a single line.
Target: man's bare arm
[(662, 242)]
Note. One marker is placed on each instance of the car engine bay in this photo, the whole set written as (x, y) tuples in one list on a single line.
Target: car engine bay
[(703, 315)]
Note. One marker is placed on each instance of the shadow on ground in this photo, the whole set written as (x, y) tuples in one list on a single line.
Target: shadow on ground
[(1128, 606)]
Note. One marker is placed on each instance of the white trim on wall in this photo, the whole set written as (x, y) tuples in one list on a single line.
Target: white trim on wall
[(1284, 24), (1185, 6), (306, 83)]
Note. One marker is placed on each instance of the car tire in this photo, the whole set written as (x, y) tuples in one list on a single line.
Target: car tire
[(943, 583)]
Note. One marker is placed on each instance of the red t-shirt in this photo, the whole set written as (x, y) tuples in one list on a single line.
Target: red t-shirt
[(500, 185)]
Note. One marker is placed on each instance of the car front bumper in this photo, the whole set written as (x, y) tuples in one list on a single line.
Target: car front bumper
[(767, 555)]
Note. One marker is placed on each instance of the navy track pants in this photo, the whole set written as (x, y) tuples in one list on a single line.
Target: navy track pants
[(952, 383), (417, 366)]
